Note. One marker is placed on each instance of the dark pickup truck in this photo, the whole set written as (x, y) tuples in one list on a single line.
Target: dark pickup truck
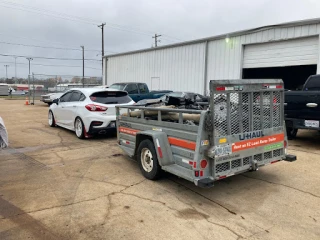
[(138, 91), (302, 108)]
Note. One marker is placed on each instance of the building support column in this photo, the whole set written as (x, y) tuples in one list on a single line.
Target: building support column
[(205, 75)]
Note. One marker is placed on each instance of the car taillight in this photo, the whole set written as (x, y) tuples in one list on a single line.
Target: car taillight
[(96, 108)]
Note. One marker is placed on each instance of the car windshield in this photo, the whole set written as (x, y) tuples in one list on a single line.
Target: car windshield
[(108, 97), (117, 86)]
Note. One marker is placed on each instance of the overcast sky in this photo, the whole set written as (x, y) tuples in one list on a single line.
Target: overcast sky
[(32, 22)]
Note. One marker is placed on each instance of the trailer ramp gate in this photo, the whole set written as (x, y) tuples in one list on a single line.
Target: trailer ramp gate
[(247, 124)]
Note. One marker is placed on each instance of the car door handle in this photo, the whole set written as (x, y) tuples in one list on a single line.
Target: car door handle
[(312, 105), (73, 106)]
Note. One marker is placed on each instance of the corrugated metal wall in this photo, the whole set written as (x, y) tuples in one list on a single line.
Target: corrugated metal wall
[(180, 68), (183, 67)]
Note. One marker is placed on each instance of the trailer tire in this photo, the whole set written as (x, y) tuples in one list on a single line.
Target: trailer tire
[(148, 160), (292, 133)]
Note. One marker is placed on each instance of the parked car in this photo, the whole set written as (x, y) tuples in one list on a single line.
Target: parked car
[(18, 93), (4, 142), (302, 108), (48, 98), (87, 111), (138, 91)]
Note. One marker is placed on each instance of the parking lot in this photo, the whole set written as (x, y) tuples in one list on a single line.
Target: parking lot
[(55, 186)]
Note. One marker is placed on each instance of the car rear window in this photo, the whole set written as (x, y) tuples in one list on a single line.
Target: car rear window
[(118, 86), (110, 97)]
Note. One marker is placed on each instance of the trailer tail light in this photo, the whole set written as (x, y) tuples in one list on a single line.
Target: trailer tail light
[(196, 173), (220, 88), (275, 161), (95, 108), (203, 163), (279, 86)]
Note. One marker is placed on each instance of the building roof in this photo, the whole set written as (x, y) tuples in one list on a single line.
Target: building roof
[(222, 36)]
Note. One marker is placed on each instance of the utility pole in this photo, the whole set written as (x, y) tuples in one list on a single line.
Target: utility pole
[(29, 59), (6, 66), (82, 66), (156, 40), (15, 69), (29, 92), (102, 26)]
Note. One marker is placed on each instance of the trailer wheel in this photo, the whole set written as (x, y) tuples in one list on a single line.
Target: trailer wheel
[(292, 133), (148, 160)]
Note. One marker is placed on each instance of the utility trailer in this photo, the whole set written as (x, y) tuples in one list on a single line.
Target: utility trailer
[(242, 130)]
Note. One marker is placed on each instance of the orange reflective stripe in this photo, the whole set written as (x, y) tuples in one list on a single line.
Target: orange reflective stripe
[(172, 141), (182, 143), (257, 142), (128, 131)]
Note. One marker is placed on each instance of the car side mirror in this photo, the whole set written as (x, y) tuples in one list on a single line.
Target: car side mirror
[(56, 101)]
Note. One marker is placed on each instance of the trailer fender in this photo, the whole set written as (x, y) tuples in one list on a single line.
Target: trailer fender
[(161, 145)]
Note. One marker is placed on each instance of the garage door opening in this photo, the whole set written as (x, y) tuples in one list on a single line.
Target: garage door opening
[(293, 76)]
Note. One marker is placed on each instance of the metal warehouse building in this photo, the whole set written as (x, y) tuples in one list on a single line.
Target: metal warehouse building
[(289, 51)]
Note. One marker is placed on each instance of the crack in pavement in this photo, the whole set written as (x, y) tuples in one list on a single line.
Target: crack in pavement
[(280, 184), (209, 199), (228, 228), (214, 223), (57, 206), (94, 180), (262, 231), (173, 209), (60, 158)]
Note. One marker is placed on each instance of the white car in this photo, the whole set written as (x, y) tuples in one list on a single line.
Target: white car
[(48, 98), (87, 111)]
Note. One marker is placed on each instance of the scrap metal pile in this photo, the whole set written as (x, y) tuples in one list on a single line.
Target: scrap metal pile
[(181, 101)]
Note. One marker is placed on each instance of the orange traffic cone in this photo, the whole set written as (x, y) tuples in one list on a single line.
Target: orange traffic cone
[(27, 102)]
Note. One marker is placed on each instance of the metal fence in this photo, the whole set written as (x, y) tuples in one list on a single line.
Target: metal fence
[(41, 84)]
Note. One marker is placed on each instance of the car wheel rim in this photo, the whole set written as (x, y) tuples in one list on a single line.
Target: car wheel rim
[(50, 118), (78, 128), (146, 159)]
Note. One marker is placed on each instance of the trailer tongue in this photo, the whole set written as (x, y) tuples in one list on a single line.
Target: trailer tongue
[(242, 130)]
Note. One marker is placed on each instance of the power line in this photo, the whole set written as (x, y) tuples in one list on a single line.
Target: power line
[(37, 46), (50, 65), (37, 40), (90, 21), (73, 59)]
